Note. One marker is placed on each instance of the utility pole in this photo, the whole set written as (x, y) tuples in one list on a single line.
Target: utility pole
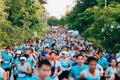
[(105, 3)]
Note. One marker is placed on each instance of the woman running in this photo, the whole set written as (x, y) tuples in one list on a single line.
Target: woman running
[(116, 76), (15, 62), (66, 66), (7, 58), (111, 70)]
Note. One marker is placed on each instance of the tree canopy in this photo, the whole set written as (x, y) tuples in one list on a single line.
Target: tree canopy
[(19, 19), (97, 23)]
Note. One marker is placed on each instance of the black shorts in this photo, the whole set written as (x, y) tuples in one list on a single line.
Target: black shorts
[(64, 74), (7, 69)]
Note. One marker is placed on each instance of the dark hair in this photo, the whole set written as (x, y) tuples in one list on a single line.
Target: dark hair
[(91, 59), (79, 55), (64, 47), (3, 44), (46, 47), (8, 48), (16, 56), (31, 49), (77, 48), (53, 52), (117, 64), (43, 62), (99, 52), (74, 56)]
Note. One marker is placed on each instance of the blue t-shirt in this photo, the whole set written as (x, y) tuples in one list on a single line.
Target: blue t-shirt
[(110, 58), (76, 70), (7, 60), (30, 62), (103, 62), (44, 54), (14, 70)]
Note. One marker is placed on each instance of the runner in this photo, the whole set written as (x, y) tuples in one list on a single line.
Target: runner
[(6, 61), (56, 66), (111, 70), (66, 66), (30, 60), (43, 71), (23, 69), (77, 69), (116, 76), (102, 61), (3, 75), (15, 62), (91, 73)]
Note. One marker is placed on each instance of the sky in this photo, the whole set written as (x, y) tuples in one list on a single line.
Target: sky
[(57, 8)]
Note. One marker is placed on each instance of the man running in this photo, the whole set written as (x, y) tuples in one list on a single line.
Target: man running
[(91, 73), (77, 69), (56, 66), (23, 69), (43, 71)]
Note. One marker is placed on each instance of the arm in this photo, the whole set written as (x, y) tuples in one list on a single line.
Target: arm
[(69, 63), (112, 77), (117, 55), (60, 67), (97, 56), (59, 73), (82, 75), (36, 54), (33, 60), (101, 72), (70, 78), (0, 57), (106, 73), (28, 70)]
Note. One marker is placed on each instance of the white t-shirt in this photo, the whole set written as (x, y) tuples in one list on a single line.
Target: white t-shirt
[(118, 59), (57, 66)]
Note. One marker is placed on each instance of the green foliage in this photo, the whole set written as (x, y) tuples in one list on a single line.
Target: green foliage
[(53, 21), (97, 24), (19, 19), (43, 1), (74, 17), (62, 21)]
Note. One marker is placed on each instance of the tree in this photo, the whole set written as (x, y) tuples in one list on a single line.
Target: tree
[(53, 21), (19, 19), (97, 23), (62, 21), (74, 16), (43, 1)]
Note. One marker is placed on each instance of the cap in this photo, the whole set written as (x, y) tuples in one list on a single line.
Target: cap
[(18, 52), (63, 52), (22, 58)]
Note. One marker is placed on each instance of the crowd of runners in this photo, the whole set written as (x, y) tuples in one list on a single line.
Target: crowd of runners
[(59, 55)]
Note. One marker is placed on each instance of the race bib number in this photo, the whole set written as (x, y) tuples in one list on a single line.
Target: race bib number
[(6, 62), (21, 75)]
